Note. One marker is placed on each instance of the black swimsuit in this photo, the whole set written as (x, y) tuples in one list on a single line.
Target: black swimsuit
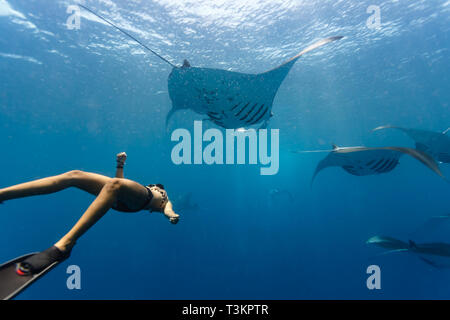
[(122, 207)]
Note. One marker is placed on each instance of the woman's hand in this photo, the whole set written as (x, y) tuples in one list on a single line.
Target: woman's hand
[(120, 158), (170, 214)]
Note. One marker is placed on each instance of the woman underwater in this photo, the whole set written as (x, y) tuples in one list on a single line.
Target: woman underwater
[(117, 193)]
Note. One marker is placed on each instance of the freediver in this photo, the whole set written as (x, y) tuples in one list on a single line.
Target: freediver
[(117, 193)]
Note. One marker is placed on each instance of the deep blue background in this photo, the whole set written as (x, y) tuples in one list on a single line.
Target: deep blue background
[(86, 97)]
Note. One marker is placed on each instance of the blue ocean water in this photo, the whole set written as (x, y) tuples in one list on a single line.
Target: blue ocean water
[(74, 98)]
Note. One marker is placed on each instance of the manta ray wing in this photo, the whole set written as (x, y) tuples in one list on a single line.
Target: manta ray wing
[(437, 144), (388, 243), (423, 157), (361, 161), (230, 99), (430, 250), (434, 248)]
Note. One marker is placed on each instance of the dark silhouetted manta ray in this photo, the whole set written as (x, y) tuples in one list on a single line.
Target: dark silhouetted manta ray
[(228, 99), (277, 195), (184, 202), (436, 144), (362, 161), (427, 252)]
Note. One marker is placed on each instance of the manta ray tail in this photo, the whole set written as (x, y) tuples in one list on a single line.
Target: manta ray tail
[(311, 151), (128, 35)]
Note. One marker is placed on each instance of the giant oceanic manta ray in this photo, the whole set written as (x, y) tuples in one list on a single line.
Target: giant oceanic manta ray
[(431, 250), (362, 161), (436, 144), (228, 99), (277, 195)]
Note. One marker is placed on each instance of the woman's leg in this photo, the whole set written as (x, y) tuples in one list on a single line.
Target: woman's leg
[(127, 191), (89, 182)]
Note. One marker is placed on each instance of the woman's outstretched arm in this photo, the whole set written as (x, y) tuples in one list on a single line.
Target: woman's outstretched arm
[(120, 158), (169, 213)]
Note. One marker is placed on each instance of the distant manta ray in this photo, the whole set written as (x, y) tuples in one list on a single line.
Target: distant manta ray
[(362, 161), (229, 99), (436, 144), (430, 250), (277, 196), (184, 202)]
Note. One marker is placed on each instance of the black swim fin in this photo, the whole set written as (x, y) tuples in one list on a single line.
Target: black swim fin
[(14, 280)]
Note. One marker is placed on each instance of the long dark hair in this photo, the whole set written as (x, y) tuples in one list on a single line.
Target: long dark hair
[(159, 185)]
